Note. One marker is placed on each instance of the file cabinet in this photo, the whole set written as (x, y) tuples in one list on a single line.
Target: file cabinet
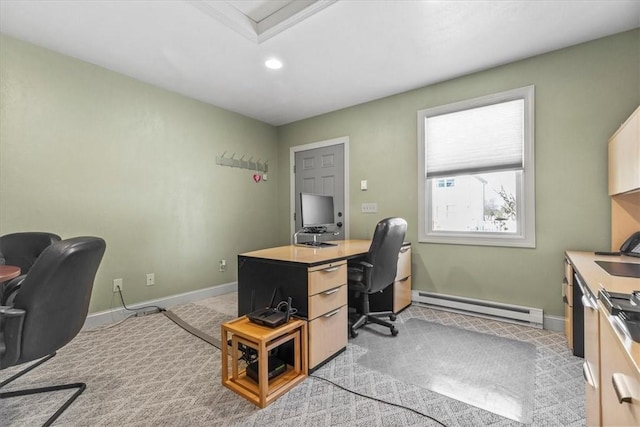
[(327, 314), (397, 297)]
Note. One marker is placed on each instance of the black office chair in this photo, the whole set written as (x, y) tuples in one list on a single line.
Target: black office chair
[(375, 272), (21, 250), (49, 310)]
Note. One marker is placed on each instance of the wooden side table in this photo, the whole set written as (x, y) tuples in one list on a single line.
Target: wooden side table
[(263, 340)]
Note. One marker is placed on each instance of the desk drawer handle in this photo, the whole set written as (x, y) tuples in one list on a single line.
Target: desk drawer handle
[(622, 389), (330, 269), (586, 372), (331, 291), (333, 313), (586, 301)]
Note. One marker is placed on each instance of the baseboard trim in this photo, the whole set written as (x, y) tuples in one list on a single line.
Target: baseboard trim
[(554, 323), (103, 318), (549, 322)]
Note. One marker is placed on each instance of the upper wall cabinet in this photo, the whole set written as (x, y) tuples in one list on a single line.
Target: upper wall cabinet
[(624, 156)]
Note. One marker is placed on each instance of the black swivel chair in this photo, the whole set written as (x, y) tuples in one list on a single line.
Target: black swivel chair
[(375, 272), (21, 250), (49, 309)]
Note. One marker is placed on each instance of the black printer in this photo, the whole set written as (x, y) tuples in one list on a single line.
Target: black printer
[(626, 308)]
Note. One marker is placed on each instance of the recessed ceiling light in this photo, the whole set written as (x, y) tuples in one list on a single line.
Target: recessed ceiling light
[(273, 64)]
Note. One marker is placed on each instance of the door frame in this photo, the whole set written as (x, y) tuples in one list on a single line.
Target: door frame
[(344, 141)]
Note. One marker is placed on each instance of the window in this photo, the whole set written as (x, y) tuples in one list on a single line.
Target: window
[(476, 173)]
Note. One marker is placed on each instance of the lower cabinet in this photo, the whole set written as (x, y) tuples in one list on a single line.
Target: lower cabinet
[(620, 388)]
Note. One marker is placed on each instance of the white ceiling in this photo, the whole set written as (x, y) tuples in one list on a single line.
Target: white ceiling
[(347, 53)]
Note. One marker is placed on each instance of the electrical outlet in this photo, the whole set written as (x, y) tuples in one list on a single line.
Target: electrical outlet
[(117, 284), (223, 265), (369, 208), (151, 279)]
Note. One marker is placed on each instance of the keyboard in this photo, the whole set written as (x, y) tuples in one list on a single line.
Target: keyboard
[(316, 244)]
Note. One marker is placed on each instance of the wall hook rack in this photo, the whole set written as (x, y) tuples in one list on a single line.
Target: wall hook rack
[(257, 166)]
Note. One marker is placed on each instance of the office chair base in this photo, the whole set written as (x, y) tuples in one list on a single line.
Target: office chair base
[(364, 319), (8, 394)]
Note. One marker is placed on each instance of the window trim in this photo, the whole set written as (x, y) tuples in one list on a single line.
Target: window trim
[(525, 237)]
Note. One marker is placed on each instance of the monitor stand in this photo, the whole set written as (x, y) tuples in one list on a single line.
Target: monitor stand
[(315, 243)]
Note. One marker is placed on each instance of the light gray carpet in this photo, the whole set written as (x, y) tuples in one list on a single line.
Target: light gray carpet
[(491, 372), (149, 372)]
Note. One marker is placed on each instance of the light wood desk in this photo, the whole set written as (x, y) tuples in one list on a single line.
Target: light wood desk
[(612, 359), (316, 281)]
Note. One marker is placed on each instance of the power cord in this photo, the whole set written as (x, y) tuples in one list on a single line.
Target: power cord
[(249, 356), (135, 313), (380, 400), (284, 307), (141, 311)]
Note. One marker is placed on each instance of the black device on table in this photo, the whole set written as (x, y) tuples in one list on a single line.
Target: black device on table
[(275, 368), (271, 316), (630, 247)]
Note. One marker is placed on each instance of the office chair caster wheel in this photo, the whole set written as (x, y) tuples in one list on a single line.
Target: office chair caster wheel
[(392, 317), (394, 331), (353, 333)]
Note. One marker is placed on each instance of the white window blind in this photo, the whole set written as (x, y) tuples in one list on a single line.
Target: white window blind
[(475, 140)]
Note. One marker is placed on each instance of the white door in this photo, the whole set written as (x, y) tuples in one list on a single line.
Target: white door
[(321, 171)]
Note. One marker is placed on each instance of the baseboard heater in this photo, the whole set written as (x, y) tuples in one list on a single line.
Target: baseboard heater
[(488, 309)]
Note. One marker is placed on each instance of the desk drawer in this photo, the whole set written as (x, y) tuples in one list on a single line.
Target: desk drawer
[(326, 277), (567, 284), (567, 293), (327, 335), (404, 263), (401, 294), (568, 325), (620, 379), (326, 301)]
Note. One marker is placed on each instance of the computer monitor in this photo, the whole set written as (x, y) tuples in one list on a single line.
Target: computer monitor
[(316, 211)]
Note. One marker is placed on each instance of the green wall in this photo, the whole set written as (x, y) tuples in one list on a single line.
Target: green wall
[(583, 94), (85, 151)]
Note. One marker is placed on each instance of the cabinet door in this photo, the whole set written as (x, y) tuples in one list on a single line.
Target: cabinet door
[(624, 156), (591, 366), (567, 298), (620, 380)]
